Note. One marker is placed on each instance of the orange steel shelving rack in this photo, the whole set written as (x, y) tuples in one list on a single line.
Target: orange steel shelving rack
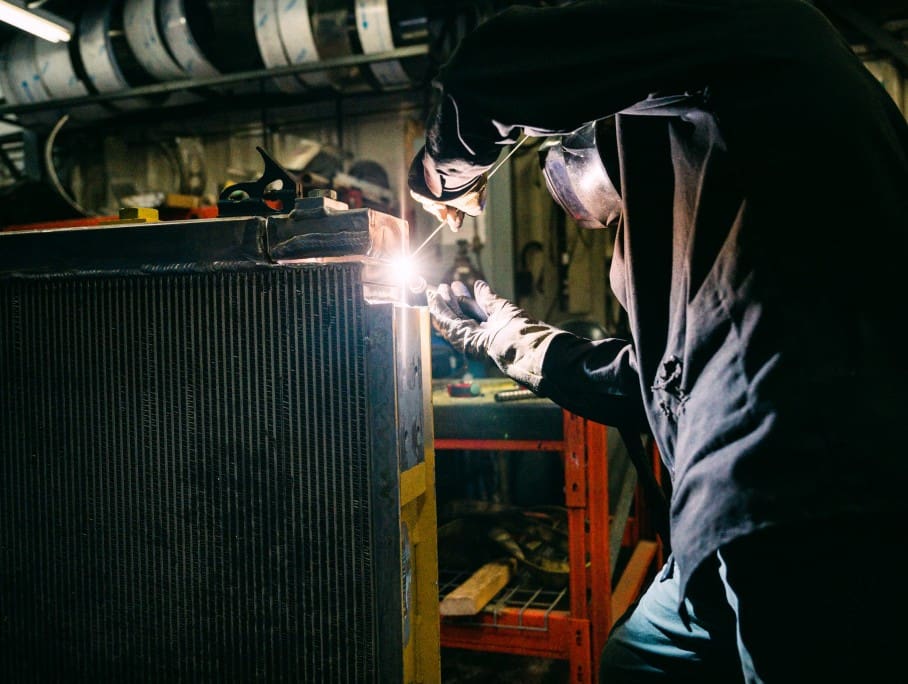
[(571, 624)]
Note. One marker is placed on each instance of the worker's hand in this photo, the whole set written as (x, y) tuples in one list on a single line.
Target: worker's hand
[(447, 205), (516, 342), (453, 212)]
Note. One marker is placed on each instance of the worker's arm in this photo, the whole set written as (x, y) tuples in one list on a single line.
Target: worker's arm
[(597, 380), (594, 379)]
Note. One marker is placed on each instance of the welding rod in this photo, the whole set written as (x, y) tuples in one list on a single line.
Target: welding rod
[(426, 241)]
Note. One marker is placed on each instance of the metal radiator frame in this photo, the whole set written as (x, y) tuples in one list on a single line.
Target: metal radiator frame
[(396, 353)]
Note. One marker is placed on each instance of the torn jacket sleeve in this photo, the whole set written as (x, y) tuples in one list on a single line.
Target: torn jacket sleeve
[(594, 379)]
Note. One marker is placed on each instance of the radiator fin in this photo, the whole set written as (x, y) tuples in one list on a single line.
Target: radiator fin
[(184, 478)]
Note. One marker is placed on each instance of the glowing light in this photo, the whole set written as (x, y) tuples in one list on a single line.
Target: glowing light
[(38, 23), (406, 268)]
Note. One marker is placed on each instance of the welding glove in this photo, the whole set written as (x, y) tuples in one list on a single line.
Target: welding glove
[(516, 342), (448, 175), (447, 206)]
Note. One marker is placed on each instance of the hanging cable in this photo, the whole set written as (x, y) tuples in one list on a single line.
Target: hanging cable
[(52, 170)]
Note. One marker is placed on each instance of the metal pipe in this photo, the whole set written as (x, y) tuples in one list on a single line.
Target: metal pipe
[(223, 80)]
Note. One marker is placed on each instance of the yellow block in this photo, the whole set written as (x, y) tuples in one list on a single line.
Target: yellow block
[(138, 214), (179, 201)]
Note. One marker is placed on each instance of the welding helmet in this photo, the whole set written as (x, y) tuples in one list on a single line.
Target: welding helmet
[(582, 175)]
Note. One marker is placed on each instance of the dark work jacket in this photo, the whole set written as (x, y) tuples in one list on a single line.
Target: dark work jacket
[(761, 255)]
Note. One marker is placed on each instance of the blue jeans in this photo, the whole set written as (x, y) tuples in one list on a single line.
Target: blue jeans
[(653, 643), (791, 606)]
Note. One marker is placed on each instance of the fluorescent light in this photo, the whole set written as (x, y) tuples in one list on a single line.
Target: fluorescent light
[(42, 24)]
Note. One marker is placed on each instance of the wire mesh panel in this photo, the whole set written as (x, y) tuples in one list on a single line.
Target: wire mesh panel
[(185, 477)]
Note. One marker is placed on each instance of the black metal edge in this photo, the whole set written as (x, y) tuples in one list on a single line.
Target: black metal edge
[(408, 357), (362, 231), (202, 244), (290, 238), (385, 490), (197, 245)]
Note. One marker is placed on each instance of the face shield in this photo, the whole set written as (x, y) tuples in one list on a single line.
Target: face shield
[(576, 176)]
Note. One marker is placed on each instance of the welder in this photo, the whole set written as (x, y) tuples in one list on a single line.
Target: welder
[(758, 177)]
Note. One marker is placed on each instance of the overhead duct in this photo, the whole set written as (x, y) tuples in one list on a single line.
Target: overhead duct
[(109, 64), (268, 38), (21, 81), (125, 44), (141, 24)]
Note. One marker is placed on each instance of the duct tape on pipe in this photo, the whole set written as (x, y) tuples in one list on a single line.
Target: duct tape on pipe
[(177, 34), (9, 96), (97, 53), (373, 26), (140, 24), (53, 61), (6, 86), (295, 28), (23, 74), (268, 37), (24, 81)]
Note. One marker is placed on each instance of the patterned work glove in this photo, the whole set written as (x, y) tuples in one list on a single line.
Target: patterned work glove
[(516, 342), (448, 175), (448, 206)]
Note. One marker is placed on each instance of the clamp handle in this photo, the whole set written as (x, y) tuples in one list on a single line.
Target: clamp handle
[(249, 197)]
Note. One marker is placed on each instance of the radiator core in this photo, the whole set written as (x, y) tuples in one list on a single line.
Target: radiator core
[(194, 473)]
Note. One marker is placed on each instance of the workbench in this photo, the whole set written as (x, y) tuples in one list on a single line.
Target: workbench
[(611, 553)]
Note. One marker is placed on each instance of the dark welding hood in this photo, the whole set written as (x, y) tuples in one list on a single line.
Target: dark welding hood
[(577, 177)]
